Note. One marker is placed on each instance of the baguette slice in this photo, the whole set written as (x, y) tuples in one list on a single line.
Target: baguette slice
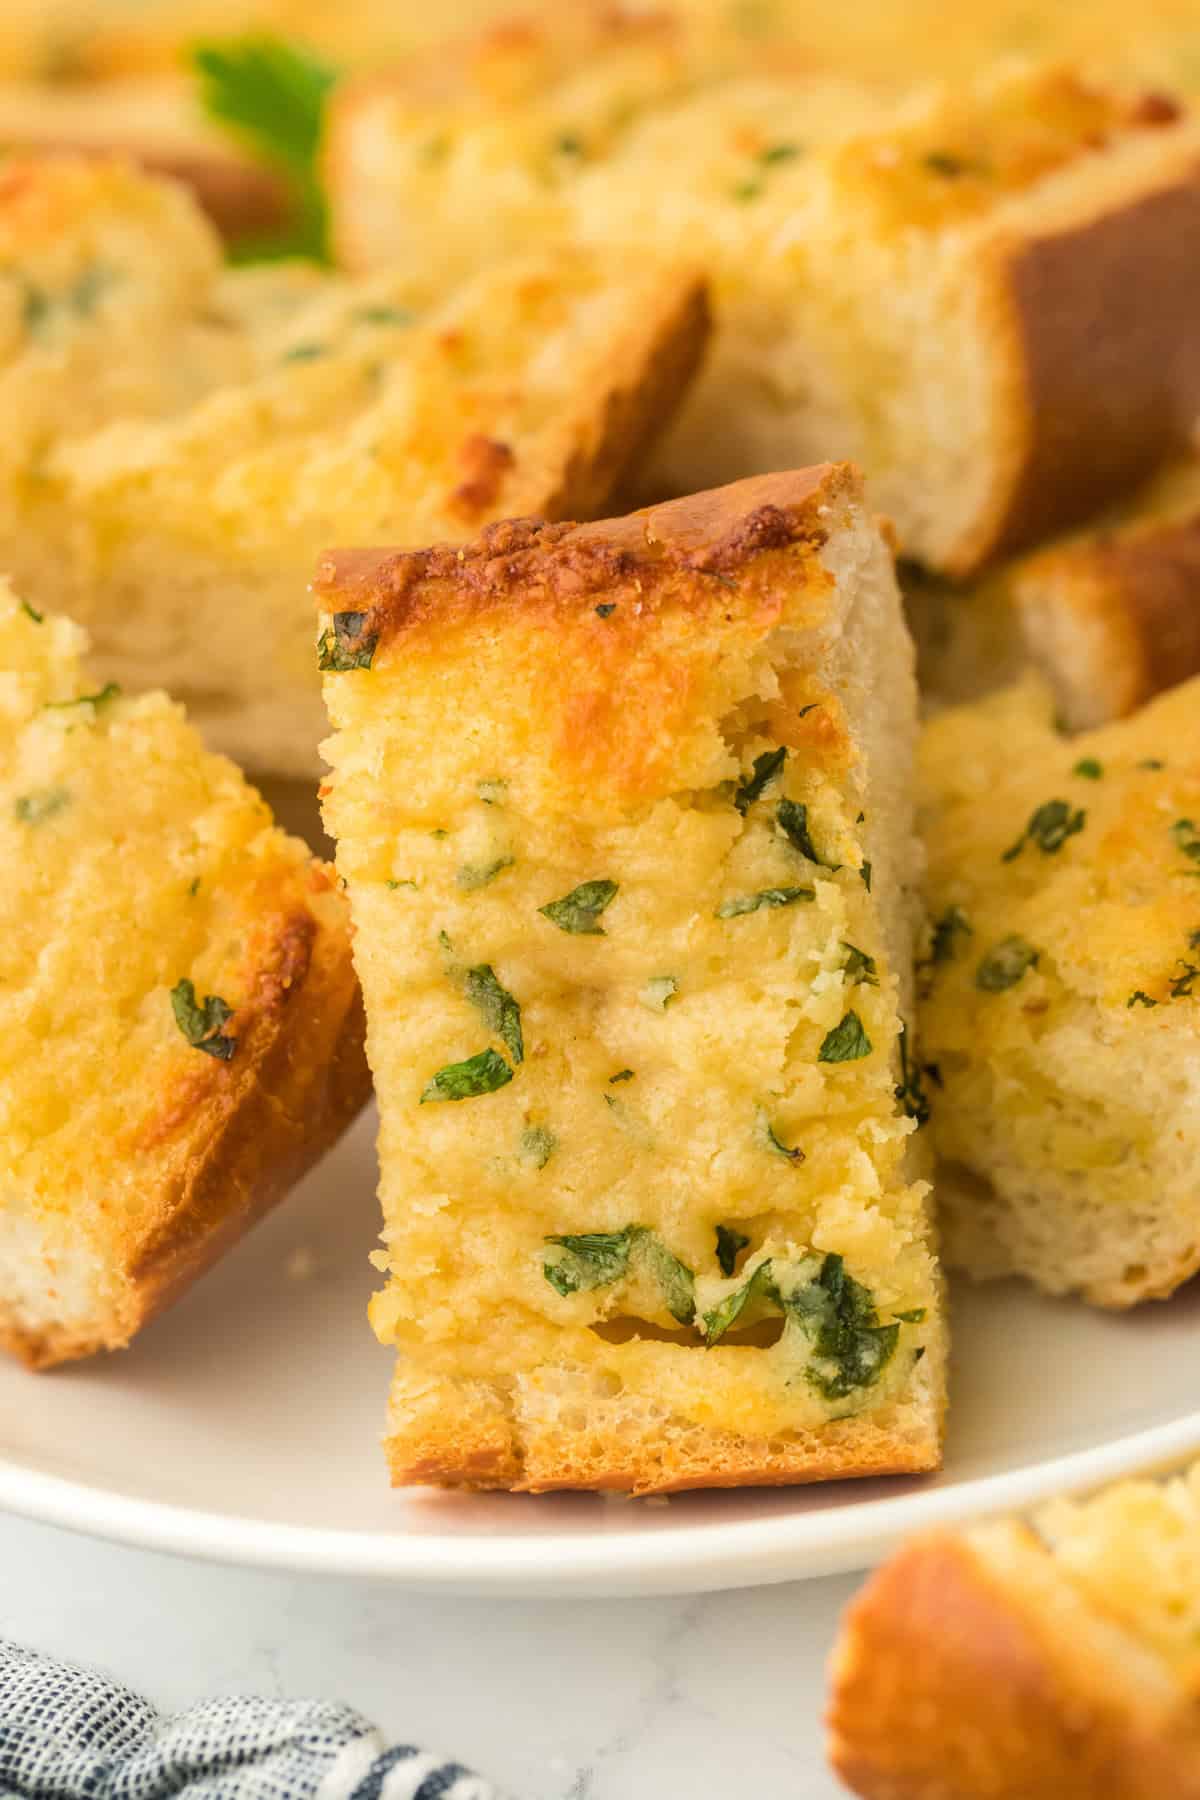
[(1006, 1662), (623, 813), (1037, 241), (1061, 1006), (238, 423), (181, 1026)]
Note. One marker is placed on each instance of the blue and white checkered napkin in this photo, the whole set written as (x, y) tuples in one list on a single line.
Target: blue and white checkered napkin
[(69, 1734)]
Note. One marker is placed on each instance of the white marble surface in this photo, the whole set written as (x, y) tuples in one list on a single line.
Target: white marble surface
[(664, 1699)]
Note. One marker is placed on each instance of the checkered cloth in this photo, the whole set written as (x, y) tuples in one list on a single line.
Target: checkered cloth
[(69, 1734)]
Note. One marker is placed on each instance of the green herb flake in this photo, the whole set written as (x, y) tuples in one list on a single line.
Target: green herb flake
[(606, 609), (384, 315), (480, 1074), (865, 873), (1187, 838), (1049, 827), (946, 164), (621, 1075), (730, 1244), (109, 691), (272, 96), (569, 143), (579, 911), (658, 992), (851, 1348), (768, 1138), (778, 153), (537, 1146), (764, 771), (345, 645), (43, 803), (1152, 762), (847, 1042), (302, 353), (193, 887), (914, 1316), (1183, 985), (859, 968), (758, 1289), (1088, 768), (1005, 964), (792, 819), (479, 875), (1140, 998), (597, 1259), (952, 925), (747, 190), (393, 885), (910, 1093), (497, 1008), (201, 1024), (31, 612), (740, 904)]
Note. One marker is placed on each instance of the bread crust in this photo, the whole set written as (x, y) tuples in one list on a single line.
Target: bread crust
[(1115, 620), (236, 1136), (950, 1682), (1103, 371)]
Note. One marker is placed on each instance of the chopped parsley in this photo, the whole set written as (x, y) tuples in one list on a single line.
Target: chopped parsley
[(1152, 762), (730, 1244), (201, 1024), (946, 163), (302, 353), (952, 925), (1005, 964), (658, 992), (1187, 838), (43, 803), (109, 691), (569, 143), (606, 609), (40, 308), (31, 612), (579, 911), (497, 1008), (405, 883), (595, 1259), (778, 153), (1183, 984), (477, 875), (537, 1146), (767, 1137), (385, 315), (865, 873), (747, 190), (738, 904), (911, 1093), (345, 645), (914, 1316), (792, 819), (1088, 768), (765, 769), (859, 967), (621, 1075), (272, 96), (480, 1074), (1140, 998), (850, 1348), (846, 1042), (1049, 827)]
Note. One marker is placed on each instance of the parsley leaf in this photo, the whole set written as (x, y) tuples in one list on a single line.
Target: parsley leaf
[(839, 1314), (477, 875), (1004, 965), (272, 96), (599, 1258), (1183, 984), (31, 809), (792, 819), (578, 911), (1140, 998), (1187, 838), (1049, 827), (344, 645), (865, 875), (859, 967), (911, 1092), (1088, 768), (621, 1075), (846, 1042), (201, 1024), (729, 1244), (739, 904), (952, 925), (766, 768), (769, 1141), (109, 691), (537, 1146), (481, 1074), (757, 1289), (497, 1008), (32, 613)]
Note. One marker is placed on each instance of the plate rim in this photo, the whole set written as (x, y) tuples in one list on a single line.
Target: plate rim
[(702, 1557)]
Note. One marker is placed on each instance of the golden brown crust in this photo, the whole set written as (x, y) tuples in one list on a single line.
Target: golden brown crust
[(948, 1683), (1118, 616), (1105, 368), (237, 1136), (563, 566)]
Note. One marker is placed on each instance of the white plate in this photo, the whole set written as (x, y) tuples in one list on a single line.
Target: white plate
[(244, 1426)]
